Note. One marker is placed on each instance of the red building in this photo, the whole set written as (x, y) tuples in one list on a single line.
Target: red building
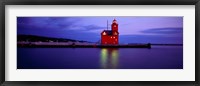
[(111, 36)]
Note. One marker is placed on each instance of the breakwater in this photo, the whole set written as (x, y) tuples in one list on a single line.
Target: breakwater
[(65, 45)]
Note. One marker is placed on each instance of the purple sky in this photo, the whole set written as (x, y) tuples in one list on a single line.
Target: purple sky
[(132, 29)]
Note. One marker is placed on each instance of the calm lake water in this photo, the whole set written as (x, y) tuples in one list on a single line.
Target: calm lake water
[(158, 57)]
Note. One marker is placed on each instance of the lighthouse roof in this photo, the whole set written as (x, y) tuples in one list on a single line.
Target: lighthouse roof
[(115, 21), (108, 32)]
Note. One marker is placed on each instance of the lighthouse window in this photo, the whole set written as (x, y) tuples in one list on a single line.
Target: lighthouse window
[(115, 33), (104, 33)]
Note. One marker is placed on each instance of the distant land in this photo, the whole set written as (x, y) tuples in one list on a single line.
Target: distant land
[(34, 38)]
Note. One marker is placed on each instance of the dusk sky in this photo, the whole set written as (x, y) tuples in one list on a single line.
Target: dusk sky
[(132, 29)]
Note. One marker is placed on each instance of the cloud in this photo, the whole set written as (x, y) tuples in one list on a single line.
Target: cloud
[(88, 28), (47, 22), (164, 31), (93, 27)]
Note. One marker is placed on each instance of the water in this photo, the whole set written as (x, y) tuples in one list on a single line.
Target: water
[(158, 57)]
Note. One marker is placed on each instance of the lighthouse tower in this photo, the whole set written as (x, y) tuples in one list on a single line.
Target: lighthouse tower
[(115, 28), (114, 25)]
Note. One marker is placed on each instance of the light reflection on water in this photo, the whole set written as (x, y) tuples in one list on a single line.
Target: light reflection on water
[(109, 58)]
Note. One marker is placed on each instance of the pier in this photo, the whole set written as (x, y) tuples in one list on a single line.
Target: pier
[(78, 45)]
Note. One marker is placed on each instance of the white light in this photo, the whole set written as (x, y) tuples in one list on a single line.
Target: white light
[(104, 33)]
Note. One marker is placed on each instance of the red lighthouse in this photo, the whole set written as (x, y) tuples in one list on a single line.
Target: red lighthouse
[(110, 36)]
